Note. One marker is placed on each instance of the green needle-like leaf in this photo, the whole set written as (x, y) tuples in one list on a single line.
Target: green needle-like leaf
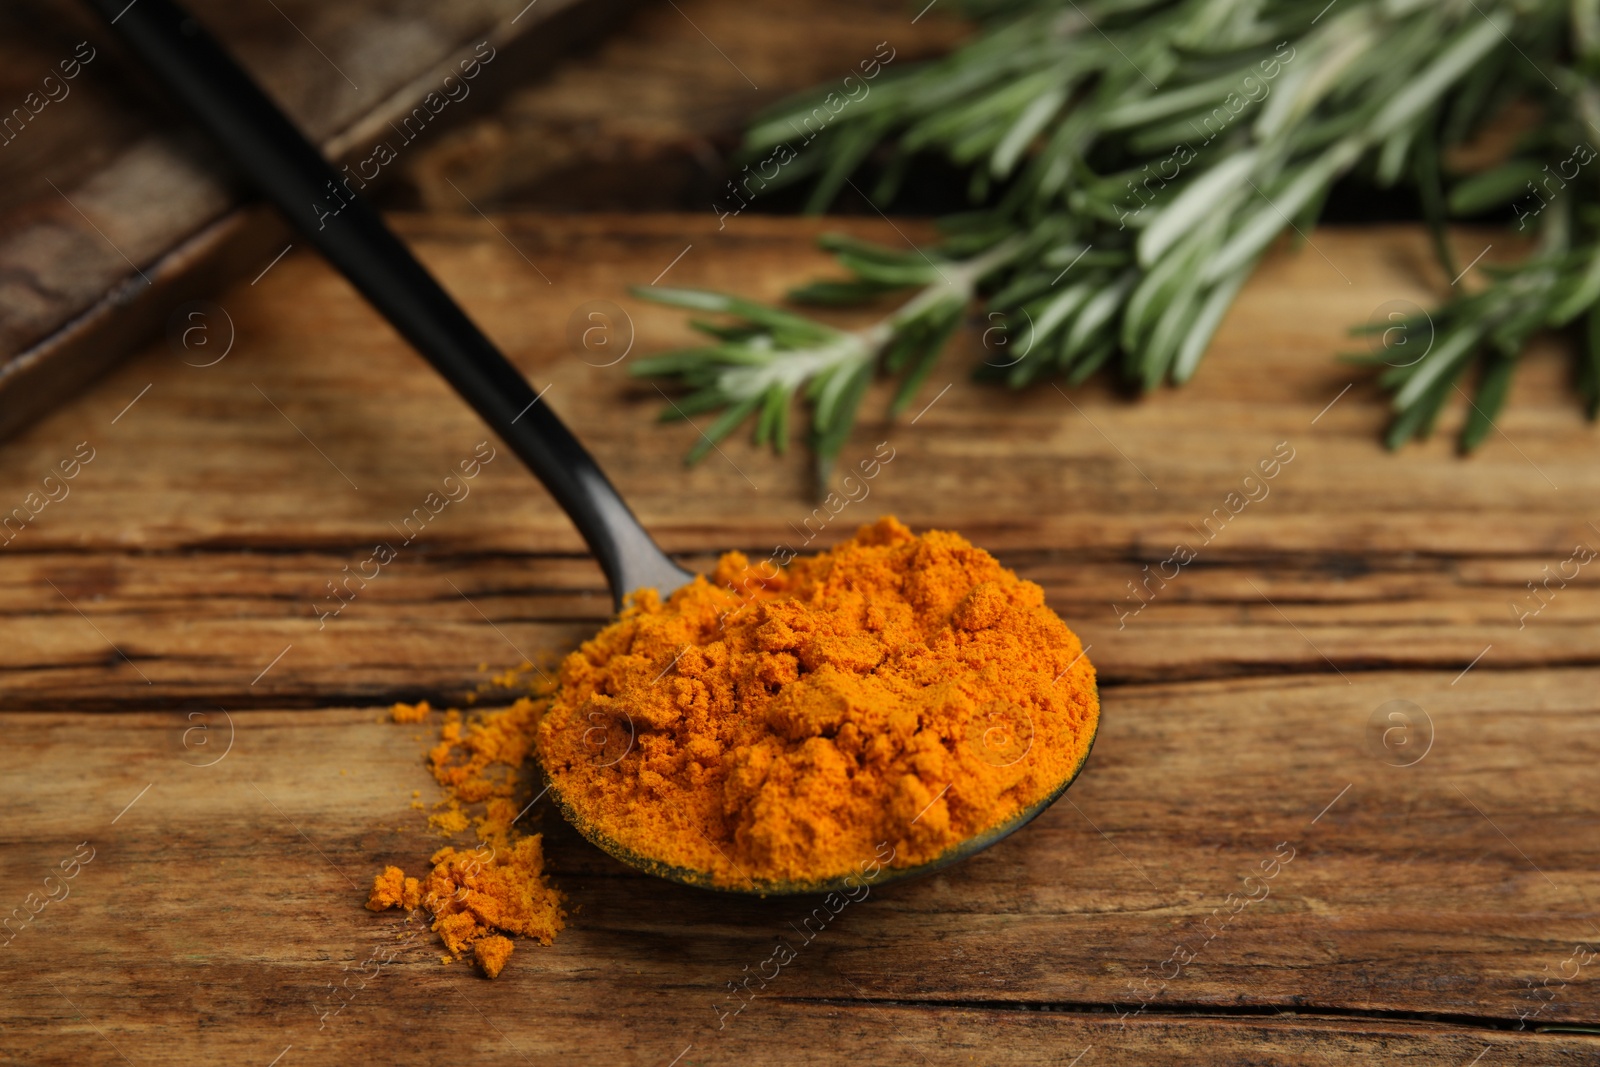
[(720, 429), (1487, 404)]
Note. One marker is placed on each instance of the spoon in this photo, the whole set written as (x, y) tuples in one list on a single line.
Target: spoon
[(293, 174), (842, 883)]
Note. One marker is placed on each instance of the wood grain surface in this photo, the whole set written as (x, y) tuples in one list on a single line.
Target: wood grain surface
[(173, 702)]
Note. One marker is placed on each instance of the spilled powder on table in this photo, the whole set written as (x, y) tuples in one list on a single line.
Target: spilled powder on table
[(476, 896)]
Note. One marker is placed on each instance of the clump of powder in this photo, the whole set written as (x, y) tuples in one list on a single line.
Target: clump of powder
[(476, 896), (775, 726)]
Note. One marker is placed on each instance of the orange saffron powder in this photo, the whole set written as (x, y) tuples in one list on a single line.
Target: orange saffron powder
[(770, 726), (774, 726)]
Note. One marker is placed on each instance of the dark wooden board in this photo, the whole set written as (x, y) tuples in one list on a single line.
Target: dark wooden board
[(113, 210)]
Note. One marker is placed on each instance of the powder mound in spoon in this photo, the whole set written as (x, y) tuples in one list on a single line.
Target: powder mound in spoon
[(777, 725)]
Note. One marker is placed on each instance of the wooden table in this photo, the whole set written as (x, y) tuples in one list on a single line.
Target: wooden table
[(1430, 910)]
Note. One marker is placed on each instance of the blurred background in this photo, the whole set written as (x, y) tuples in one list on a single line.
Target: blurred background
[(585, 106)]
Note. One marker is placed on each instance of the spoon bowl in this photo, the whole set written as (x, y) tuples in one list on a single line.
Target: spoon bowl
[(762, 888)]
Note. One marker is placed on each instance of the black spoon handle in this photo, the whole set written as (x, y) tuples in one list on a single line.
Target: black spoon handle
[(288, 169)]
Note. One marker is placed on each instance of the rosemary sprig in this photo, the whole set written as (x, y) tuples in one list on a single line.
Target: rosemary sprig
[(1137, 157), (757, 364)]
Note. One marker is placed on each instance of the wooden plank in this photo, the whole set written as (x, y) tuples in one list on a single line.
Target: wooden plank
[(498, 1026), (194, 622), (115, 211), (1402, 906), (1423, 911)]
